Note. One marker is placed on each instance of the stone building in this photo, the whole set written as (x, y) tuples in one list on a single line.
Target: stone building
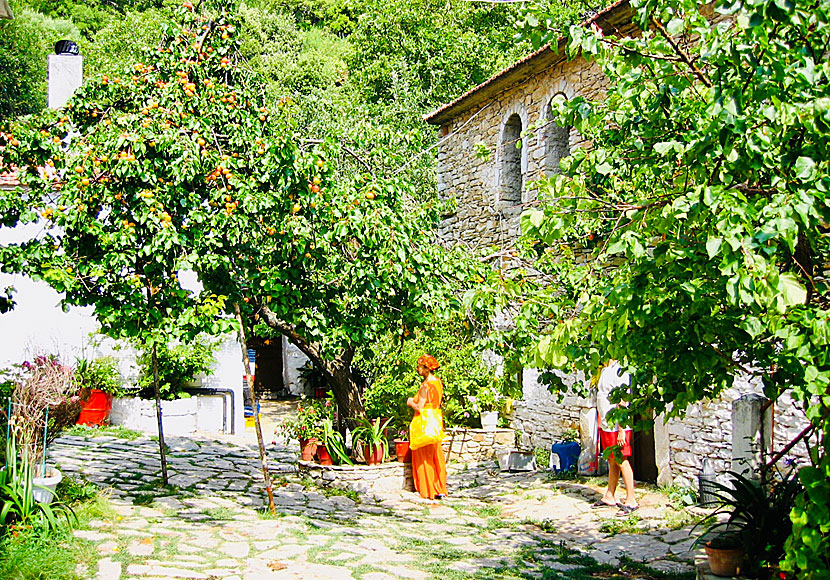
[(497, 138)]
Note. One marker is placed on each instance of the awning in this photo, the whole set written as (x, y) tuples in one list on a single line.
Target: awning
[(5, 11)]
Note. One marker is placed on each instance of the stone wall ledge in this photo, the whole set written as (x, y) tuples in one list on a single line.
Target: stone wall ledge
[(376, 480)]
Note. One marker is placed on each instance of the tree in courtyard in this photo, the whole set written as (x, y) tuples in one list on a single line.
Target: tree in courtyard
[(704, 201), (182, 165)]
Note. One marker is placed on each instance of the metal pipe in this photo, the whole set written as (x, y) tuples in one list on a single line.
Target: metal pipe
[(45, 430), (223, 391)]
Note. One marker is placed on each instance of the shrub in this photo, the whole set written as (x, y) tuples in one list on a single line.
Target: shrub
[(101, 373), (43, 398), (177, 366), (470, 384), (308, 421)]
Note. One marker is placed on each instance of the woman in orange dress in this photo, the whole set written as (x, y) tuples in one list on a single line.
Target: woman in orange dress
[(428, 467)]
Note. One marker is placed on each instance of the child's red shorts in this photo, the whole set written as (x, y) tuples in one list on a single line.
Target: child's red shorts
[(609, 439)]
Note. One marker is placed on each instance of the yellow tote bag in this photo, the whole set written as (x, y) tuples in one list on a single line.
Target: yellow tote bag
[(427, 427)]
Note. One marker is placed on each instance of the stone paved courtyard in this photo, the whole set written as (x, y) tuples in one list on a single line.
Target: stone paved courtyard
[(211, 524)]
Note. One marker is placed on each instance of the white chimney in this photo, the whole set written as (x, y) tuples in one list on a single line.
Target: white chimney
[(66, 73)]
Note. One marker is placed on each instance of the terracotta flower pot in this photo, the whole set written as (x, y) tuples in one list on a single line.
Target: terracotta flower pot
[(724, 561), (323, 455), (373, 455), (403, 451), (308, 448)]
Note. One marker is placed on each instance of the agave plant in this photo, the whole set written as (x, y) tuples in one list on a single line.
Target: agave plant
[(759, 516), (16, 497)]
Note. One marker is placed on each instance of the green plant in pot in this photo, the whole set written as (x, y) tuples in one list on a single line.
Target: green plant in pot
[(758, 520), (372, 435), (334, 444), (99, 381)]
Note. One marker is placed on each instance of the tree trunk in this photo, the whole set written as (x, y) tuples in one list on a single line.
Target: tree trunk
[(338, 370), (263, 458), (158, 413), (346, 390)]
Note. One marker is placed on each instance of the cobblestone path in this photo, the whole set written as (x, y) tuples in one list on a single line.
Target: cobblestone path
[(211, 524)]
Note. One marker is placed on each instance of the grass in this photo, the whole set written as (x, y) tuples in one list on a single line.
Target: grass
[(628, 525), (104, 430), (35, 554), (547, 525), (219, 513), (32, 553)]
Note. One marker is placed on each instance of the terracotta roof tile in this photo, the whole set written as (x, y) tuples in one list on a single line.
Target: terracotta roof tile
[(9, 179)]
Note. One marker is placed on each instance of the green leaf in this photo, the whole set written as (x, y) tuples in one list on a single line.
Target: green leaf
[(713, 246), (792, 292), (805, 168), (665, 147)]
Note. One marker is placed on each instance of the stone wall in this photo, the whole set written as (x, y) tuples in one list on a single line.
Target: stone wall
[(486, 215), (375, 480), (476, 445), (705, 431)]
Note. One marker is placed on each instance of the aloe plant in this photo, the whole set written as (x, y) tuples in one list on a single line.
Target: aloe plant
[(372, 434), (334, 442)]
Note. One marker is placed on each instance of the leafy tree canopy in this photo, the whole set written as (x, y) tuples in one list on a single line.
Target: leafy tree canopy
[(181, 164), (704, 199)]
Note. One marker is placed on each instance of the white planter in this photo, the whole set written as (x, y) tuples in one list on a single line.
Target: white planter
[(43, 488), (489, 420), (179, 416), (515, 460)]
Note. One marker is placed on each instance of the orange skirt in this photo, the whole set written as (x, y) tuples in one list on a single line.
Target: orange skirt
[(429, 470)]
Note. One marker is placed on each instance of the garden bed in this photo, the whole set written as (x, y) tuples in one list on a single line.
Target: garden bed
[(474, 445), (370, 479)]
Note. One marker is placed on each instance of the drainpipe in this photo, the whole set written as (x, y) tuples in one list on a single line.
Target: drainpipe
[(219, 391)]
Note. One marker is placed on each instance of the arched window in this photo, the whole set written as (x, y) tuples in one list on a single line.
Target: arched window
[(557, 142), (511, 161)]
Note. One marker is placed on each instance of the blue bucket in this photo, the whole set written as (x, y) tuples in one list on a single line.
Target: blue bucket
[(568, 454)]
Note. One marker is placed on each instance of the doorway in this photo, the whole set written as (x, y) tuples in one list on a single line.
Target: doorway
[(643, 459), (268, 377)]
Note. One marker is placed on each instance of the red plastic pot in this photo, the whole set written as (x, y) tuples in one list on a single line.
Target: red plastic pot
[(96, 408), (323, 455)]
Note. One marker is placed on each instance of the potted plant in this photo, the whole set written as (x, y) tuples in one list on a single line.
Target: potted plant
[(486, 403), (334, 446), (725, 553), (99, 381), (401, 441), (43, 403), (307, 425), (758, 522), (372, 435)]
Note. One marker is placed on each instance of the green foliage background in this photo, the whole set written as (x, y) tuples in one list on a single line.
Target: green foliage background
[(463, 372)]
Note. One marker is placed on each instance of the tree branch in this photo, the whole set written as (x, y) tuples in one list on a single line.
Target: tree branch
[(683, 56)]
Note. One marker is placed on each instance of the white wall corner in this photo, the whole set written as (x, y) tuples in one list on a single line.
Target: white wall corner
[(66, 74)]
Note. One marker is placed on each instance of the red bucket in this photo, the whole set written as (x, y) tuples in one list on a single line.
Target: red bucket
[(96, 408)]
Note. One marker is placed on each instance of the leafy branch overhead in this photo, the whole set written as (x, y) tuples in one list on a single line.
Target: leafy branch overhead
[(703, 202)]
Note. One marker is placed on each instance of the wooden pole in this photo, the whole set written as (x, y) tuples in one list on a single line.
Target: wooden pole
[(247, 365)]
